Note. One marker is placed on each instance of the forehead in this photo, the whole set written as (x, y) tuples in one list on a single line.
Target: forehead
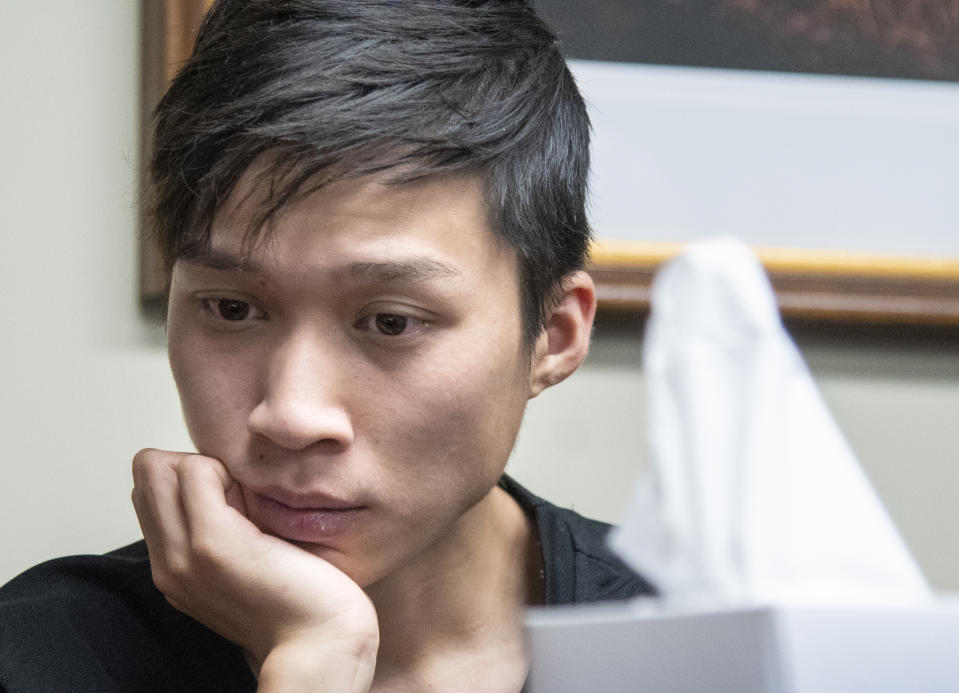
[(430, 228)]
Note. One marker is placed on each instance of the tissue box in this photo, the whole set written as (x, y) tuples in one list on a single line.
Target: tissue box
[(607, 649)]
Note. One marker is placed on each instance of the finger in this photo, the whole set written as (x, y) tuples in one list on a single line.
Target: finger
[(218, 468), (209, 494), (234, 498), (156, 499), (232, 490)]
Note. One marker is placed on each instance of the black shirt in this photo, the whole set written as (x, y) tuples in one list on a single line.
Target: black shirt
[(98, 623)]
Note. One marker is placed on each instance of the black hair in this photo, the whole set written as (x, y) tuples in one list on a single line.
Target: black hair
[(326, 88)]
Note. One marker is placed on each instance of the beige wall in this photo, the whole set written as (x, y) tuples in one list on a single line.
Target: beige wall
[(84, 377)]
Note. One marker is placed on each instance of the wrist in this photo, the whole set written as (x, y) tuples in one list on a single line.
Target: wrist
[(306, 663)]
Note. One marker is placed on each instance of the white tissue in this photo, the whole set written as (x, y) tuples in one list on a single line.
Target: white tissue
[(754, 496)]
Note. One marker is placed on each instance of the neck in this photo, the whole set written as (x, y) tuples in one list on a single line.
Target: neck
[(465, 594)]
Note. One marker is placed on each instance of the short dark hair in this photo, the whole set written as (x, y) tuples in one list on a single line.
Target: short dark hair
[(327, 88)]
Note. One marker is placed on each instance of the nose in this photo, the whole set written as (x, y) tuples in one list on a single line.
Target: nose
[(300, 403)]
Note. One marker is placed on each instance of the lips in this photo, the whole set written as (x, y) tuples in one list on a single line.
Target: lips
[(315, 519)]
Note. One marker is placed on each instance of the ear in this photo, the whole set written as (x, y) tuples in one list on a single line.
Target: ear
[(564, 341)]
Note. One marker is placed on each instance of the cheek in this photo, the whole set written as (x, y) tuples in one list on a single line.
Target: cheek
[(454, 421), (213, 393)]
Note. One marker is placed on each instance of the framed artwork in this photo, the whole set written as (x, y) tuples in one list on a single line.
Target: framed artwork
[(841, 184), (821, 132)]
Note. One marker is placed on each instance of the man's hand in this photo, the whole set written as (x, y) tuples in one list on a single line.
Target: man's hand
[(305, 624)]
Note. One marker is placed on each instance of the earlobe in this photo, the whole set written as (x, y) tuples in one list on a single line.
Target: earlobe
[(563, 344)]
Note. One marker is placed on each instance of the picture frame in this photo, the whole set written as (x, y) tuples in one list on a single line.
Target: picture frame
[(848, 283), (810, 285), (168, 30), (819, 132), (840, 184)]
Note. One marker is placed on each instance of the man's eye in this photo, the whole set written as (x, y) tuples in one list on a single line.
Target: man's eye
[(230, 309), (390, 324)]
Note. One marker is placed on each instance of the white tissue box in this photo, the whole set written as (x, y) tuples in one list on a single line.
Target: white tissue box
[(607, 649)]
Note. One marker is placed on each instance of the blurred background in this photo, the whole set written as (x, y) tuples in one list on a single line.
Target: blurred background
[(83, 369)]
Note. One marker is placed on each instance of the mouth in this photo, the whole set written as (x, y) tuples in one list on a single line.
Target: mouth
[(313, 520)]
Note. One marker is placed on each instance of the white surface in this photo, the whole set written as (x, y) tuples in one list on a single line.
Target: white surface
[(759, 650), (838, 163)]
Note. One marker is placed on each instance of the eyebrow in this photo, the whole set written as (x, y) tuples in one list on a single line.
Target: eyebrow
[(221, 260), (412, 269)]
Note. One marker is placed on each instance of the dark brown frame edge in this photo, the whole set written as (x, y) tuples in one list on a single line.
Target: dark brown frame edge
[(167, 32), (811, 297)]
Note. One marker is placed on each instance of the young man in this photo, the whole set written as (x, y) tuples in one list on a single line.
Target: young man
[(373, 216)]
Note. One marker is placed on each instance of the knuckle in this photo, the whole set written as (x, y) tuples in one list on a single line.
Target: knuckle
[(144, 457), (147, 464), (186, 465), (191, 467), (140, 463)]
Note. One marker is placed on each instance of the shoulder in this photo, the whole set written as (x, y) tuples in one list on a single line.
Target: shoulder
[(99, 623), (578, 564), (76, 578)]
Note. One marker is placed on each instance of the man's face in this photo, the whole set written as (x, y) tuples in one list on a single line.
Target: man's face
[(362, 374)]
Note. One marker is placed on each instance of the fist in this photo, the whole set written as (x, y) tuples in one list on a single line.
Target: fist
[(265, 594)]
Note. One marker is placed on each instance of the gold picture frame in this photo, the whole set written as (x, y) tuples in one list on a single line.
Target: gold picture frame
[(810, 285)]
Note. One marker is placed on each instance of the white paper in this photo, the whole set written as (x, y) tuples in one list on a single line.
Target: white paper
[(755, 496)]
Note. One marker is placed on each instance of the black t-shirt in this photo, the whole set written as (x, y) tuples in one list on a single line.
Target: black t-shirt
[(97, 623)]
